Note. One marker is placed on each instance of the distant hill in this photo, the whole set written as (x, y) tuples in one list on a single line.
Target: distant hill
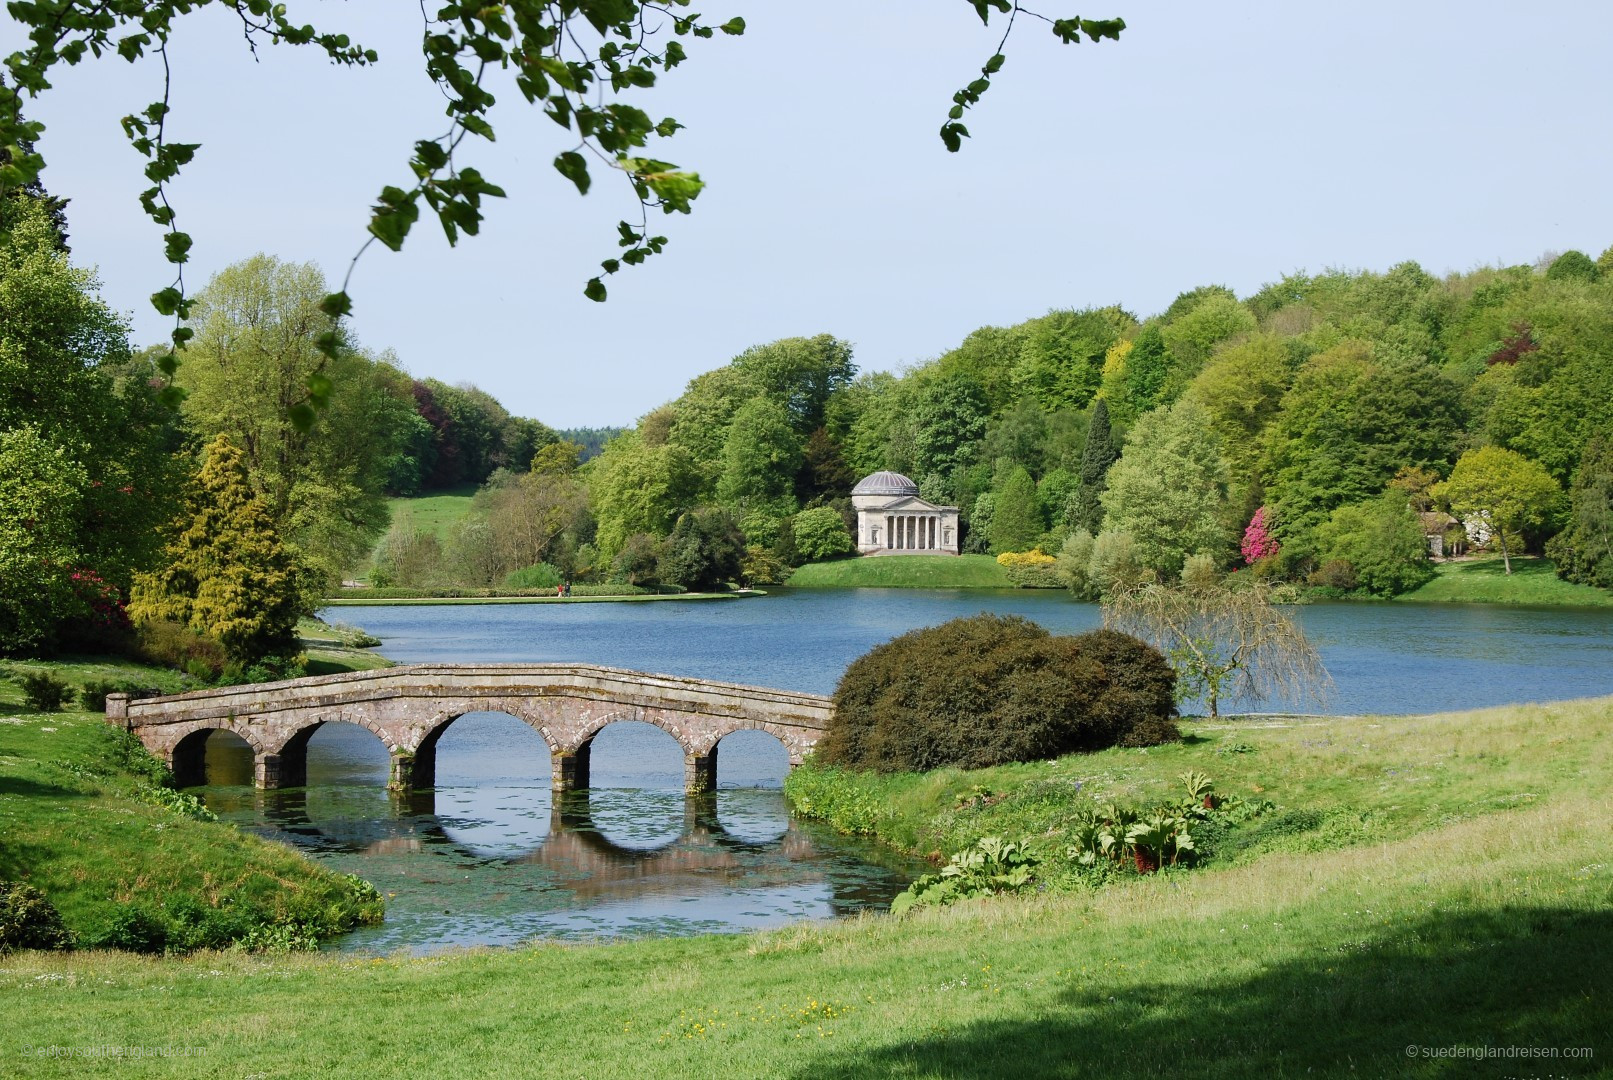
[(591, 439)]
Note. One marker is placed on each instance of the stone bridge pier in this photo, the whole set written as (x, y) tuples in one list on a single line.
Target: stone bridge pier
[(410, 707)]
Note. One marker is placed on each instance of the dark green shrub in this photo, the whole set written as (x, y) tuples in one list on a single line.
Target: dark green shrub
[(134, 929), (177, 646), (92, 698), (44, 691), (29, 921), (992, 689)]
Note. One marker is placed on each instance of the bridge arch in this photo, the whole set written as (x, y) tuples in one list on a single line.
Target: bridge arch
[(187, 759), (421, 763)]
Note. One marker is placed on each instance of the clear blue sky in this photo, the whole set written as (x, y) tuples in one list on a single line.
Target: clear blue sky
[(1224, 143)]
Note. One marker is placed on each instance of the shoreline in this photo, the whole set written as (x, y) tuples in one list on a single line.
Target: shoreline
[(401, 601)]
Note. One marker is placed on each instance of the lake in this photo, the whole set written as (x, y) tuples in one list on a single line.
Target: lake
[(493, 857)]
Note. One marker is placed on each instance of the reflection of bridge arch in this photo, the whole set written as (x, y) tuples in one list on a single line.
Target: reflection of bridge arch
[(409, 707), (584, 859), (189, 760)]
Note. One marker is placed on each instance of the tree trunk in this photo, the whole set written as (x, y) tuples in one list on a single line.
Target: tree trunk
[(1506, 560)]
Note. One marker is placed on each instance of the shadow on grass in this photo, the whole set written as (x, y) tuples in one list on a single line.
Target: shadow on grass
[(33, 789), (1527, 978)]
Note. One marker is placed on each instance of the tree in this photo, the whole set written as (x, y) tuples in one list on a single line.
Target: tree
[(66, 370), (227, 575), (760, 457), (1243, 388), (257, 323), (639, 489), (820, 533), (1016, 520), (1345, 428), (1168, 491), (530, 514), (1573, 266), (1061, 360), (1097, 455), (41, 487), (1503, 489), (1223, 640), (801, 374), (1583, 551), (704, 551), (949, 418), (1382, 540)]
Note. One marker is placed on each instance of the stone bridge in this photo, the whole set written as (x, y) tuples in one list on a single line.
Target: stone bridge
[(410, 707)]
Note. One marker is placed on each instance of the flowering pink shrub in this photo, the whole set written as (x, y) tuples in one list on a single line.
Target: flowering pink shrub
[(102, 604), (1258, 543)]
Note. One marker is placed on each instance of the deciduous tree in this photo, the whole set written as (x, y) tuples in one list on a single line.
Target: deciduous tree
[(1503, 489), (1168, 491)]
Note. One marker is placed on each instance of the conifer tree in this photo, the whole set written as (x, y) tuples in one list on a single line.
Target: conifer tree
[(227, 576), (1086, 508)]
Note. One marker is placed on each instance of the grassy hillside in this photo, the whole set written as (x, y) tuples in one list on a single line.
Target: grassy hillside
[(438, 512), (905, 572), (1464, 920), (84, 818), (1485, 581)]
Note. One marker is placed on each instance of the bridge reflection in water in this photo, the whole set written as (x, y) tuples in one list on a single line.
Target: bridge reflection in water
[(494, 856)]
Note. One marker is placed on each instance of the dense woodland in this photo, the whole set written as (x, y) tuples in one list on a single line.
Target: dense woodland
[(1317, 432)]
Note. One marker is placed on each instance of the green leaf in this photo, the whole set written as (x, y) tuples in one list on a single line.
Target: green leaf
[(995, 64), (734, 26), (953, 134), (595, 290), (167, 301), (336, 305), (301, 417), (574, 167)]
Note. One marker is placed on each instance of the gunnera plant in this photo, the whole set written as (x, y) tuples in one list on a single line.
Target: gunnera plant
[(991, 689)]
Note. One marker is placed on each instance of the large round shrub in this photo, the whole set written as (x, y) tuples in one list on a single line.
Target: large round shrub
[(996, 688)]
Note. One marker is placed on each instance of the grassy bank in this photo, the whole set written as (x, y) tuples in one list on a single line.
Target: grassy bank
[(85, 818), (905, 572), (1334, 781), (1485, 581), (1472, 922)]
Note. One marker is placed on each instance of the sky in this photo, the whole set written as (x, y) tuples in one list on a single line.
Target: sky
[(1226, 143)]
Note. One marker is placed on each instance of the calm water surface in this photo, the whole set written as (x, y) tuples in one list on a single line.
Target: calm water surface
[(1384, 658), (493, 857)]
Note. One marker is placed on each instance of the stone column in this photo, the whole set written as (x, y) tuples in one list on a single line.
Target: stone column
[(700, 772), (890, 532), (401, 779), (266, 771), (571, 768)]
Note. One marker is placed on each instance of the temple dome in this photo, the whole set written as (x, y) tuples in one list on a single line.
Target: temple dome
[(885, 483)]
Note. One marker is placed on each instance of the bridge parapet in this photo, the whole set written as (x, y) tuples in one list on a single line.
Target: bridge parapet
[(409, 707)]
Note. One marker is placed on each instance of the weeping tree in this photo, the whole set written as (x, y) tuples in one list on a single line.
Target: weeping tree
[(1223, 640)]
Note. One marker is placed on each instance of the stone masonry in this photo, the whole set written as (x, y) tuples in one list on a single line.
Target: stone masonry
[(409, 707)]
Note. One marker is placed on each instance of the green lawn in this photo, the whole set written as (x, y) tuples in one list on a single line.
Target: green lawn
[(1485, 581), (1470, 919), (439, 512), (905, 572)]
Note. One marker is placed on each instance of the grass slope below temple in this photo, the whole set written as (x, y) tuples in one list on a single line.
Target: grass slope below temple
[(904, 572), (1472, 919)]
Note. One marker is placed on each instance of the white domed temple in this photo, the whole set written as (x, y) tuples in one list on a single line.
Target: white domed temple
[(893, 520)]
